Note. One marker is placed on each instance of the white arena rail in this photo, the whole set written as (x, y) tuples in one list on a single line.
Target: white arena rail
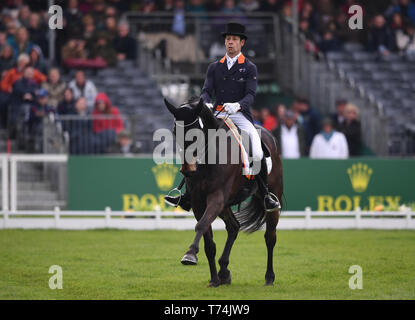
[(157, 220)]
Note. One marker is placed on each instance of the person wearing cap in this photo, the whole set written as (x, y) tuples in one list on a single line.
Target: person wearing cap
[(124, 145), (40, 109), (232, 80), (290, 137), (329, 143)]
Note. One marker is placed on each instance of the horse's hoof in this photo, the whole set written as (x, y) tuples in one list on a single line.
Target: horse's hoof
[(213, 284), (189, 260), (269, 283), (228, 280)]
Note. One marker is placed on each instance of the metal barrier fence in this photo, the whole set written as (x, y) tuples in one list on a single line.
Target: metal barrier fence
[(157, 220)]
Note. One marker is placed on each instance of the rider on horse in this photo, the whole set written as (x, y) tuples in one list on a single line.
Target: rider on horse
[(233, 81)]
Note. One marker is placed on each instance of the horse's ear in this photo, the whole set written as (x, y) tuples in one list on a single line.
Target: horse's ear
[(170, 107)]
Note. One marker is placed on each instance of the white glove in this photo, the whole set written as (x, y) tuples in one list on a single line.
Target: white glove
[(232, 108), (209, 105)]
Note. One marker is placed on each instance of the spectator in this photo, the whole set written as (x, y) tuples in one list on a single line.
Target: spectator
[(290, 137), (82, 87), (110, 28), (74, 56), (40, 109), (329, 144), (271, 6), (73, 18), (406, 8), (104, 49), (81, 136), (73, 50), (329, 42), (381, 38), (351, 128), (24, 16), (248, 5), (124, 44), (22, 43), (107, 116), (148, 6), (308, 118), (23, 90), (6, 85), (397, 22), (124, 145), (6, 59), (214, 5), (11, 32), (339, 117), (55, 87), (3, 40), (167, 6), (37, 59), (196, 6), (38, 33), (179, 24), (269, 121), (280, 110), (230, 7), (12, 75), (98, 13), (256, 116), (405, 41), (67, 105)]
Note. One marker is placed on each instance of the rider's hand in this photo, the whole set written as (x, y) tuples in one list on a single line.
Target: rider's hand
[(232, 108), (209, 105)]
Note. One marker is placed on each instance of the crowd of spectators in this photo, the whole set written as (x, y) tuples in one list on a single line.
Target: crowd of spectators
[(301, 131), (31, 88), (95, 35)]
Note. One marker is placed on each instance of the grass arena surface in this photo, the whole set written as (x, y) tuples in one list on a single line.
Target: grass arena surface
[(114, 264)]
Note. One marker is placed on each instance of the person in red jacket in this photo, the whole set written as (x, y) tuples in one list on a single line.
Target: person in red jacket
[(106, 116)]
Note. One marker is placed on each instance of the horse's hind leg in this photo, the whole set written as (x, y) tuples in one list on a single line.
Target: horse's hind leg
[(270, 240), (232, 227)]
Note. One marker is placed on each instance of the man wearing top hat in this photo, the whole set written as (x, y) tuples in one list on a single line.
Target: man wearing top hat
[(233, 82)]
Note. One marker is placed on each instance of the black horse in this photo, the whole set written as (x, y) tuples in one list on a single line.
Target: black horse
[(214, 188)]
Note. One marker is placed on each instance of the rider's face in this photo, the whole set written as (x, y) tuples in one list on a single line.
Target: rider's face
[(233, 45)]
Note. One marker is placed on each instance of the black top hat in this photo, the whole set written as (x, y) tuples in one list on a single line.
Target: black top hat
[(236, 29)]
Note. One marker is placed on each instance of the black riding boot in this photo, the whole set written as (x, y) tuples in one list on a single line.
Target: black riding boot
[(183, 201), (271, 201)]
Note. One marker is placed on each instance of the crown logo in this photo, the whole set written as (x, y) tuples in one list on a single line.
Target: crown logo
[(359, 175), (165, 175)]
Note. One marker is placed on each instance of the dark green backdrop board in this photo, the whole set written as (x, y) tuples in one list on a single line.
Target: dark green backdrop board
[(131, 184)]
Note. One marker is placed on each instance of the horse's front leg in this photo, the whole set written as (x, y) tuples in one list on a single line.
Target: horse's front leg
[(214, 205)]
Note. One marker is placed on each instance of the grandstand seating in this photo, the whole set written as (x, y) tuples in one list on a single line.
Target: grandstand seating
[(390, 81), (137, 96)]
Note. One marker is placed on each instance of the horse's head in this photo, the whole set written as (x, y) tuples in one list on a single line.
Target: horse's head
[(186, 117)]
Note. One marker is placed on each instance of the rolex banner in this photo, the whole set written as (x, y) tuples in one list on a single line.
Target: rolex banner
[(133, 184)]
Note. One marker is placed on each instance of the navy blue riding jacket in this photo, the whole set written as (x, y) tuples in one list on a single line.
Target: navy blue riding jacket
[(238, 84)]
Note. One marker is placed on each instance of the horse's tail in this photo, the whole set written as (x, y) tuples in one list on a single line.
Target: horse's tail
[(251, 217)]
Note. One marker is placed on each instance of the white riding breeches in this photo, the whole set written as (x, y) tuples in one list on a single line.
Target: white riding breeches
[(245, 125)]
